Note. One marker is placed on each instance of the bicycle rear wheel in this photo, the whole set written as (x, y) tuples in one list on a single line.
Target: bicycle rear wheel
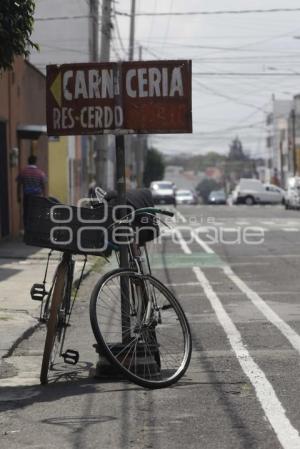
[(56, 322), (148, 338)]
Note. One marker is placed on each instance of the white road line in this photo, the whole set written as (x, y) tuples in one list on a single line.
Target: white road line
[(291, 222), (183, 284), (268, 223), (200, 242), (182, 242), (242, 223), (272, 407), (262, 306), (180, 216), (259, 303), (290, 229)]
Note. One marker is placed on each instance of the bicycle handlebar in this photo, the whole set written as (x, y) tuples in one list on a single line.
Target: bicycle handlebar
[(107, 196), (154, 210)]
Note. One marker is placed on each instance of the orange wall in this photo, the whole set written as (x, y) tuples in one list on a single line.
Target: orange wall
[(22, 102)]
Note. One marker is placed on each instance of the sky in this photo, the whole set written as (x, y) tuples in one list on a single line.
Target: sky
[(261, 49)]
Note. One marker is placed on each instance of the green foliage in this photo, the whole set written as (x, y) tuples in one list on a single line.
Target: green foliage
[(154, 167), (236, 152), (16, 25), (200, 162), (206, 186)]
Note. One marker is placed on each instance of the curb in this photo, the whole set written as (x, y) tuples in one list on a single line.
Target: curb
[(26, 334)]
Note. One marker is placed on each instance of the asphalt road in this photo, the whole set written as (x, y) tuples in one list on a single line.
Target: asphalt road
[(236, 271)]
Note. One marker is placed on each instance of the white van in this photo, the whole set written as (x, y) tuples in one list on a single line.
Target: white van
[(253, 191), (292, 197)]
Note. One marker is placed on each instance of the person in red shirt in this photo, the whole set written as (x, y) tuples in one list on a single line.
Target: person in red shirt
[(32, 181)]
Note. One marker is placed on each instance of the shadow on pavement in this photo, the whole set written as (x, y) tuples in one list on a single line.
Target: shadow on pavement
[(16, 249), (19, 397), (12, 251)]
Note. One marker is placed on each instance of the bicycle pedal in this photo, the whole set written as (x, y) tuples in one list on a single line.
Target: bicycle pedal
[(38, 292), (70, 356)]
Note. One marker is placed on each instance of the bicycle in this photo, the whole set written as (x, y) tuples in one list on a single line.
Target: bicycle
[(139, 325), (56, 309), (56, 303), (141, 335)]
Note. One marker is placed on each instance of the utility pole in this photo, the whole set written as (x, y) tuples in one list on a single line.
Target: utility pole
[(131, 141), (140, 147), (140, 52), (132, 31), (293, 116), (102, 141)]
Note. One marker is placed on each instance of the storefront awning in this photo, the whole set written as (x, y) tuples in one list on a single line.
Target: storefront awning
[(31, 132)]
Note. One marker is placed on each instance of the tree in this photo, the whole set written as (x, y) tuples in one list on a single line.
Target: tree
[(198, 163), (206, 186), (154, 166), (236, 151), (16, 25)]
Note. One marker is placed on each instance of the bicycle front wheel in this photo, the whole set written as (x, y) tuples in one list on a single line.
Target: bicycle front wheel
[(141, 328)]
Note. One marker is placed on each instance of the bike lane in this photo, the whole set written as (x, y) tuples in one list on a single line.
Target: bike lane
[(270, 399)]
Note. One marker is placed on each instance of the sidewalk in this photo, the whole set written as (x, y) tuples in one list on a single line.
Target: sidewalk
[(20, 267)]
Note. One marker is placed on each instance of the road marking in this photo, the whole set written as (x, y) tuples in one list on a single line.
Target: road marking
[(200, 242), (179, 260), (182, 242), (242, 223), (277, 256), (259, 303), (268, 223), (290, 229), (183, 284), (262, 306), (180, 216), (272, 407)]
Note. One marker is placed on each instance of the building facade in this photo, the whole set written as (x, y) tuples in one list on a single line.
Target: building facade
[(279, 160), (22, 132)]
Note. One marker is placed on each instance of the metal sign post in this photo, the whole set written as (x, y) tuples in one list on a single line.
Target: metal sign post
[(121, 191)]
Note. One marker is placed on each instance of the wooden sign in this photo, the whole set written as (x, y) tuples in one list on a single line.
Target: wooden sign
[(136, 97)]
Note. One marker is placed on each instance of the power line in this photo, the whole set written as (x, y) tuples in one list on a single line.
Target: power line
[(151, 24), (40, 19), (263, 74), (168, 25), (218, 12), (151, 52), (118, 30), (228, 97)]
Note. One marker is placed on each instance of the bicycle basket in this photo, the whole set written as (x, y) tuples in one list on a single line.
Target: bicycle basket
[(68, 228)]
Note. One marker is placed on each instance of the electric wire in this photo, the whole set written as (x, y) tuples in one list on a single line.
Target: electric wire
[(206, 13)]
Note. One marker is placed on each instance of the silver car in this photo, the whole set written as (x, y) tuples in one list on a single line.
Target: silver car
[(163, 192), (185, 197)]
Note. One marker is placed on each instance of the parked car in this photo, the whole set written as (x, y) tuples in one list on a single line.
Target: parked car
[(292, 196), (185, 197), (253, 191), (217, 197), (163, 192)]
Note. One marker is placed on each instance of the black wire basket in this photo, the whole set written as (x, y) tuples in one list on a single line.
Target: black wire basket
[(68, 228), (84, 230)]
